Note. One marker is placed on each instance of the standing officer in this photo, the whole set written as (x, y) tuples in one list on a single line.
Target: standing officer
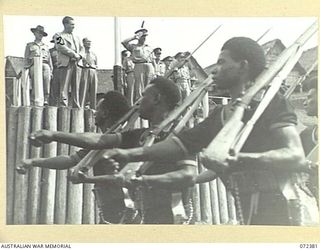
[(128, 67), (89, 78), (70, 52), (142, 58), (159, 66), (35, 49), (55, 83)]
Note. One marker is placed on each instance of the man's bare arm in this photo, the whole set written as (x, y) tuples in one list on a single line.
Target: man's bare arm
[(288, 152), (83, 140)]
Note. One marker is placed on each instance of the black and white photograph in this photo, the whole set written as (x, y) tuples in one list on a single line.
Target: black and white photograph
[(161, 120)]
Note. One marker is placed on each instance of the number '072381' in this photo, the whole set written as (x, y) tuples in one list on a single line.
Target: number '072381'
[(308, 246)]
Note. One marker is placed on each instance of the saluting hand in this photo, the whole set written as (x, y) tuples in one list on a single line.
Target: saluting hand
[(41, 136)]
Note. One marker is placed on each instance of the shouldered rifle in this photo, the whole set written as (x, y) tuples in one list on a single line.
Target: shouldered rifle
[(180, 64), (127, 121), (219, 149), (290, 90), (263, 35)]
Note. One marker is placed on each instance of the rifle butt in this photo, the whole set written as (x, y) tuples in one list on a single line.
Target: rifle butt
[(219, 149)]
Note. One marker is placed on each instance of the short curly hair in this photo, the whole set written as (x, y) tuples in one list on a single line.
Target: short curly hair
[(168, 89), (115, 103), (244, 48)]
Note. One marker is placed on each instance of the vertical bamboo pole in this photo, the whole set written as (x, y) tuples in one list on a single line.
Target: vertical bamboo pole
[(33, 209), (214, 202), (22, 152), (48, 175), (38, 81), (61, 178), (15, 97), (25, 87), (205, 203), (117, 69), (88, 198), (222, 202), (196, 201), (12, 127), (231, 208), (75, 191)]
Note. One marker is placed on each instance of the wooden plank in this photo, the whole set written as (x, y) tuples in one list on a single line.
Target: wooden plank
[(48, 175), (224, 217), (205, 202), (75, 191), (88, 213), (12, 127), (22, 152), (33, 207), (214, 202), (60, 209)]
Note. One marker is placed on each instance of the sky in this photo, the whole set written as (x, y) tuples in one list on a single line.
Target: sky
[(171, 34)]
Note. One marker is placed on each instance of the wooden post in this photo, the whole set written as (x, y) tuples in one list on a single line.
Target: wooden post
[(75, 191), (16, 99), (12, 127), (88, 216), (33, 208), (61, 178), (222, 202), (205, 203), (22, 152), (25, 87), (231, 209), (38, 81), (214, 202), (49, 175), (196, 201), (117, 69)]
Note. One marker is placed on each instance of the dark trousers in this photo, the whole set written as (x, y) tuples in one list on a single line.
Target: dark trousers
[(158, 215)]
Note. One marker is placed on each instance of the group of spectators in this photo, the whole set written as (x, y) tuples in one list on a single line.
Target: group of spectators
[(68, 68), (141, 64)]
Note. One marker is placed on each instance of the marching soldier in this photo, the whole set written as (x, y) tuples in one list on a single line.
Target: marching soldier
[(141, 55), (309, 136), (159, 98), (35, 49), (262, 176)]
